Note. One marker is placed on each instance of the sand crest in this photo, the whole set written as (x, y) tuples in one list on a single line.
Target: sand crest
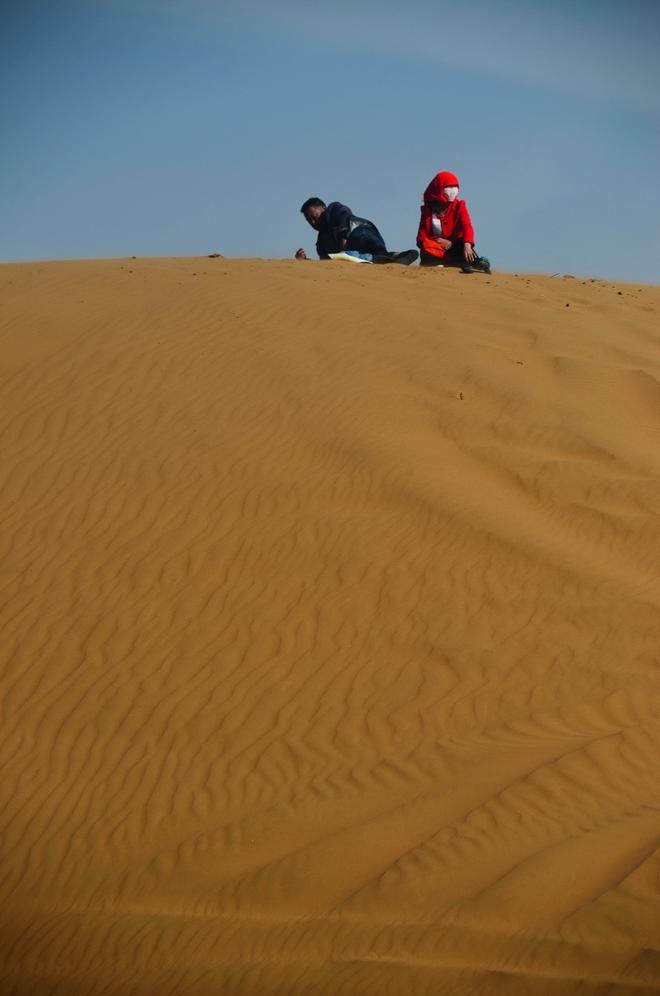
[(330, 631)]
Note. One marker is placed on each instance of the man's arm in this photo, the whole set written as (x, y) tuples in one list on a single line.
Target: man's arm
[(338, 221)]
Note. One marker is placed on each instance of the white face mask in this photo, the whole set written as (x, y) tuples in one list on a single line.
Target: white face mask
[(451, 193)]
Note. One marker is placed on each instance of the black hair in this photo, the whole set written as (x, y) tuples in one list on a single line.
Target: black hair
[(312, 202)]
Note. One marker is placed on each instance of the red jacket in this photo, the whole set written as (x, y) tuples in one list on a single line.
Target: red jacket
[(456, 222)]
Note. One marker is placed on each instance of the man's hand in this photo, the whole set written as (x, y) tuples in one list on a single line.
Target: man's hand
[(469, 253), (301, 254), (445, 243)]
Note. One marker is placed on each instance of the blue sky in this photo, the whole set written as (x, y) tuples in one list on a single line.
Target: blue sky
[(164, 127)]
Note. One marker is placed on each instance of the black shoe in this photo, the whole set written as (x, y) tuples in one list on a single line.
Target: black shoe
[(405, 258)]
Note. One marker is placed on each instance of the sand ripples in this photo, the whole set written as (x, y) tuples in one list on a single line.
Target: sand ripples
[(329, 615)]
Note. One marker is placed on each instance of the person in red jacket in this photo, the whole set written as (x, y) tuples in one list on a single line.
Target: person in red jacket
[(446, 236)]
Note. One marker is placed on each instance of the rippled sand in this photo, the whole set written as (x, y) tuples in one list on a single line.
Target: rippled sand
[(330, 631)]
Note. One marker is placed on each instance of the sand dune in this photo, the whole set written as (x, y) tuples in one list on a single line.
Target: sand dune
[(330, 631)]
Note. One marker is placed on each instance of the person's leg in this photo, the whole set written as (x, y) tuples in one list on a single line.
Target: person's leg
[(452, 257), (367, 238), (456, 257), (428, 259)]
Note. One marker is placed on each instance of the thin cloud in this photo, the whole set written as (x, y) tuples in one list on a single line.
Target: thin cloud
[(600, 50), (603, 51)]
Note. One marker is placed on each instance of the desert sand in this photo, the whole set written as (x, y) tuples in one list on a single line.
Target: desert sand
[(330, 629)]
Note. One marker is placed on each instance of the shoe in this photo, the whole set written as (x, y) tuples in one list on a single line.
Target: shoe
[(478, 265), (405, 258)]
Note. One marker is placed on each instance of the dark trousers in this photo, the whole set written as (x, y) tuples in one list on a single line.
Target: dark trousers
[(453, 256), (367, 238)]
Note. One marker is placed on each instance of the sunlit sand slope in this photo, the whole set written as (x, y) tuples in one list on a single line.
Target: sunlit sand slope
[(330, 631)]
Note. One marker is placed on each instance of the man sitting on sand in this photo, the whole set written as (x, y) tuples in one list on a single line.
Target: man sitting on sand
[(342, 231)]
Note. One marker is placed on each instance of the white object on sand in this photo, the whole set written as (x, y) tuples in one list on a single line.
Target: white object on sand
[(348, 256)]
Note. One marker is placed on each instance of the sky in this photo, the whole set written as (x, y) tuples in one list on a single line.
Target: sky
[(185, 127)]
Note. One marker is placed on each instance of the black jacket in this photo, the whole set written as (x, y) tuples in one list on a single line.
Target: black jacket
[(337, 222)]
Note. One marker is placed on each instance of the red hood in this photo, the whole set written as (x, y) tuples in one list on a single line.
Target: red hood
[(434, 191)]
